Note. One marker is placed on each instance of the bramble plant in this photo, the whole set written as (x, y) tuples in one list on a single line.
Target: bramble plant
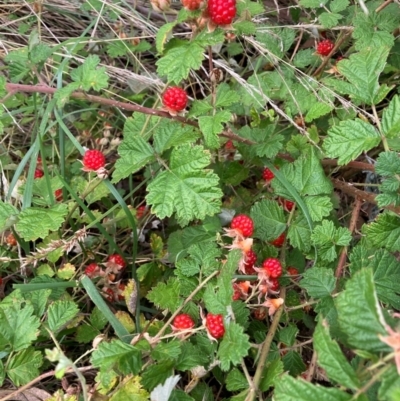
[(200, 200)]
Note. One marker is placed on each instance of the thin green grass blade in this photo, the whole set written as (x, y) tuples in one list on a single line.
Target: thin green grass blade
[(98, 300)]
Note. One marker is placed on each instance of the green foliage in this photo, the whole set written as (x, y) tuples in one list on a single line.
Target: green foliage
[(318, 282)]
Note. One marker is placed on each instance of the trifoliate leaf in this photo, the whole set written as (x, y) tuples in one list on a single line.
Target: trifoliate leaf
[(327, 237), (318, 206), (391, 118), (124, 357), (178, 61), (386, 270), (331, 358), (24, 366), (362, 70), (269, 220), (187, 188), (135, 152), (234, 346), (18, 326), (8, 215), (211, 126), (384, 232), (36, 223), (287, 388), (318, 282), (236, 381), (359, 299), (59, 313), (166, 295), (347, 140)]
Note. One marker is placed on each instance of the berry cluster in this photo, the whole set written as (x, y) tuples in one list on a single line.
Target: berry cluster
[(325, 47), (272, 267), (174, 99), (221, 12), (215, 325), (278, 242), (243, 225), (183, 322)]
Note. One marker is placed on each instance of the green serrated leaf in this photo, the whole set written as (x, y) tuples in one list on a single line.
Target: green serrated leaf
[(318, 206), (211, 126), (135, 152), (273, 370), (8, 215), (336, 6), (327, 237), (163, 351), (360, 299), (59, 313), (293, 363), (329, 20), (288, 388), (191, 356), (331, 358), (130, 389), (386, 272), (391, 118), (166, 295), (19, 327), (318, 110), (157, 373), (116, 354), (187, 188), (318, 282), (288, 335), (89, 75), (299, 234), (36, 223), (24, 366), (236, 381), (39, 300), (347, 140), (178, 61), (269, 220), (385, 232), (226, 96), (164, 33), (234, 346), (362, 70)]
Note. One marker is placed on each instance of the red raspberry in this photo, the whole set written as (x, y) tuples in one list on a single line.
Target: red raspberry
[(325, 47), (117, 260), (93, 160), (192, 5), (260, 313), (215, 325), (273, 267), (274, 284), (175, 98), (222, 12), (243, 224), (250, 261), (278, 242), (109, 294), (229, 145), (92, 269), (121, 289), (38, 173), (140, 211), (288, 205), (183, 322), (58, 194), (292, 271), (268, 175)]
